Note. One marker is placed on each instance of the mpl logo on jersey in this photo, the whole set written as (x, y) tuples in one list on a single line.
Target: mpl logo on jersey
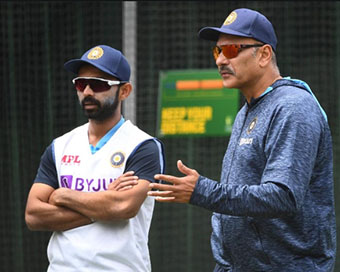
[(70, 160), (85, 184)]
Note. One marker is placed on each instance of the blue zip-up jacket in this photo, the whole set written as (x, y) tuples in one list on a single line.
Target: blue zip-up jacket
[(274, 205)]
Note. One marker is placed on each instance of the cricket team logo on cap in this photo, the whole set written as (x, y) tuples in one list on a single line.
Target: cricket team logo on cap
[(252, 125), (95, 53), (231, 18), (117, 159)]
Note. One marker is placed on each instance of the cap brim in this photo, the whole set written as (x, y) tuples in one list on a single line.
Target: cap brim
[(74, 65), (212, 33)]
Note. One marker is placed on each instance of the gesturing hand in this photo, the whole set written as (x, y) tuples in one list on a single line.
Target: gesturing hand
[(181, 189), (124, 182)]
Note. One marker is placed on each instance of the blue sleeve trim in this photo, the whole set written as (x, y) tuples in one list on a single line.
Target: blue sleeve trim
[(53, 152), (306, 87)]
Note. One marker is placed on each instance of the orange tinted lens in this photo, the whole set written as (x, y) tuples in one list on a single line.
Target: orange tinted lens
[(216, 52), (230, 50)]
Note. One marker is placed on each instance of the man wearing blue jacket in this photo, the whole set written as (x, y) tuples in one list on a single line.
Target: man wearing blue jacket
[(273, 209)]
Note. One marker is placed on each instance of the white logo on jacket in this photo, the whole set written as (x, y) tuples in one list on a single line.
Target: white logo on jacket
[(247, 141)]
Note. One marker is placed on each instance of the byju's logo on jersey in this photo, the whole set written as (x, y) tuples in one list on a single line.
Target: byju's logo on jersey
[(117, 159), (85, 184), (70, 160), (66, 181)]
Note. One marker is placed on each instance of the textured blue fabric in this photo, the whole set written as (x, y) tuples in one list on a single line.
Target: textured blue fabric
[(274, 205)]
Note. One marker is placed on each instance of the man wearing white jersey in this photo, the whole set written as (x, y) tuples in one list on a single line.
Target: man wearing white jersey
[(79, 191)]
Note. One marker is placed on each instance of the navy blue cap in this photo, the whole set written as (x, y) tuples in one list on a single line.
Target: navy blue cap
[(245, 23), (106, 59)]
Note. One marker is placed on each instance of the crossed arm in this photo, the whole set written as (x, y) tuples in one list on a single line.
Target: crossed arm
[(63, 209)]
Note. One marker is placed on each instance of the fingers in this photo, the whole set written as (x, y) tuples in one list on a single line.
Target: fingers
[(127, 174), (183, 169), (179, 190), (177, 180), (160, 193), (124, 182), (163, 187), (168, 178), (126, 185), (165, 199), (125, 188), (162, 196), (117, 185)]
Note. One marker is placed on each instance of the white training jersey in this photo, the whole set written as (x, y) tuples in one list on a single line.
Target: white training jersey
[(120, 245)]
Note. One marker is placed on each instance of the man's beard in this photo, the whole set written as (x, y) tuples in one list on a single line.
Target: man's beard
[(104, 111)]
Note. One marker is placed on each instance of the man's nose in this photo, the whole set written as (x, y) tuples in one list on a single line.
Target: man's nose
[(88, 90), (222, 60)]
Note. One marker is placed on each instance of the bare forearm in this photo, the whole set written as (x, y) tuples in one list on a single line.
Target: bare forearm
[(99, 205), (104, 205), (49, 217)]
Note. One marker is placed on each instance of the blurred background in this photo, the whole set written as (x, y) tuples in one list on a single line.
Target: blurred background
[(39, 103)]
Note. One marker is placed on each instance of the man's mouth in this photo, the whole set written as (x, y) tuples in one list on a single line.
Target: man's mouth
[(225, 72), (90, 106)]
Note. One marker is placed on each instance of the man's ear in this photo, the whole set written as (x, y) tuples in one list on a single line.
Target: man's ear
[(125, 91), (265, 53)]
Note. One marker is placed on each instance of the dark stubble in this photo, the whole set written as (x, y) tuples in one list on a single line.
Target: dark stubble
[(104, 111)]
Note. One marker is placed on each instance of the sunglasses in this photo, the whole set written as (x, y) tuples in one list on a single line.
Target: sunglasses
[(96, 84), (232, 50)]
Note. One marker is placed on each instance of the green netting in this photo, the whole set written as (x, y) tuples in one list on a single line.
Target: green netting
[(38, 102)]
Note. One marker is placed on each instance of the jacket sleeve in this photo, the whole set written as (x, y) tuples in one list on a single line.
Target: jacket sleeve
[(291, 149)]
